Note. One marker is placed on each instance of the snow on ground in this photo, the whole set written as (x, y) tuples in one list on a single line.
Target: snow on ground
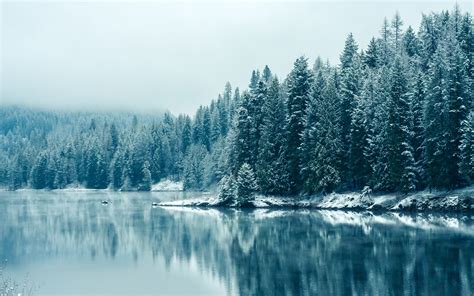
[(457, 200), (210, 201), (272, 201), (351, 200), (167, 185)]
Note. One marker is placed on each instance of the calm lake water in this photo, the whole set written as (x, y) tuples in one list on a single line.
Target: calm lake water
[(71, 244)]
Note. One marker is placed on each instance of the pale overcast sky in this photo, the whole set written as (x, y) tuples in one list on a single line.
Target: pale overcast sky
[(153, 55)]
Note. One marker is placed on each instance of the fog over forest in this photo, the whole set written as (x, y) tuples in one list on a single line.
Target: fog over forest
[(163, 55)]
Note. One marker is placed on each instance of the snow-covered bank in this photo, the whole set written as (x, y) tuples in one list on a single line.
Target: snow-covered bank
[(461, 200), (167, 185)]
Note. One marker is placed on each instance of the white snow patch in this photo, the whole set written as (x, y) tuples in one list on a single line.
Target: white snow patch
[(192, 202), (167, 185), (351, 200), (261, 201)]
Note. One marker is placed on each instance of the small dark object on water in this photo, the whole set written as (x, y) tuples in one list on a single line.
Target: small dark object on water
[(105, 202), (154, 204)]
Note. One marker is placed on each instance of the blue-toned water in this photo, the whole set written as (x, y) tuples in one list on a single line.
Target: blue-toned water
[(71, 244)]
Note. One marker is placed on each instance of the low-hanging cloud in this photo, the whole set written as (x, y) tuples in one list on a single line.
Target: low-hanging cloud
[(175, 56)]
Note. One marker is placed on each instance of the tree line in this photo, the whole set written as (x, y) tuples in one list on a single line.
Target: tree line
[(396, 117)]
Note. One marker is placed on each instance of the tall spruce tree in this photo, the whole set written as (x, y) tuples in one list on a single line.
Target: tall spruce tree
[(271, 170), (349, 92), (246, 185), (255, 104), (299, 89), (401, 163), (310, 134), (241, 139), (323, 166), (377, 92)]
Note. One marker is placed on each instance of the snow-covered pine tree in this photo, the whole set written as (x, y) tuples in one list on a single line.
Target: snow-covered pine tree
[(241, 138), (359, 165), (371, 54), (266, 74), (234, 104), (254, 79), (255, 104), (186, 136), (401, 163), (193, 171), (101, 176), (215, 129), (60, 178), (202, 127), (376, 93), (310, 133), (38, 171), (410, 43), (323, 165), (246, 185), (428, 35), (351, 74), (299, 89), (271, 171), (408, 180), (114, 139), (70, 167), (14, 174), (116, 169), (227, 190), (417, 101), (145, 184), (206, 129), (223, 110), (435, 115)]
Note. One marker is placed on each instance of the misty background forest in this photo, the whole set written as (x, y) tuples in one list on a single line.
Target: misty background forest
[(395, 116)]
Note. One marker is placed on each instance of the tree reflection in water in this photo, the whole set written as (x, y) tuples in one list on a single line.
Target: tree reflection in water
[(259, 252)]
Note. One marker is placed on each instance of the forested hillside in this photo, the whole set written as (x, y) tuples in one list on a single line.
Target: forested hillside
[(396, 116)]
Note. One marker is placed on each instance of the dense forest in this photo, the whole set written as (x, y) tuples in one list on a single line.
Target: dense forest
[(394, 117)]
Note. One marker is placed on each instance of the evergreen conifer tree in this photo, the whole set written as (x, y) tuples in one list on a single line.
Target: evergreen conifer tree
[(246, 185), (299, 89)]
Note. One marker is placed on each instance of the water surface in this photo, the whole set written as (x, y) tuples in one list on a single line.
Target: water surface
[(71, 244)]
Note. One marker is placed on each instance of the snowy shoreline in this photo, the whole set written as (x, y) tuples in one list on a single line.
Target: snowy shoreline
[(461, 200)]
